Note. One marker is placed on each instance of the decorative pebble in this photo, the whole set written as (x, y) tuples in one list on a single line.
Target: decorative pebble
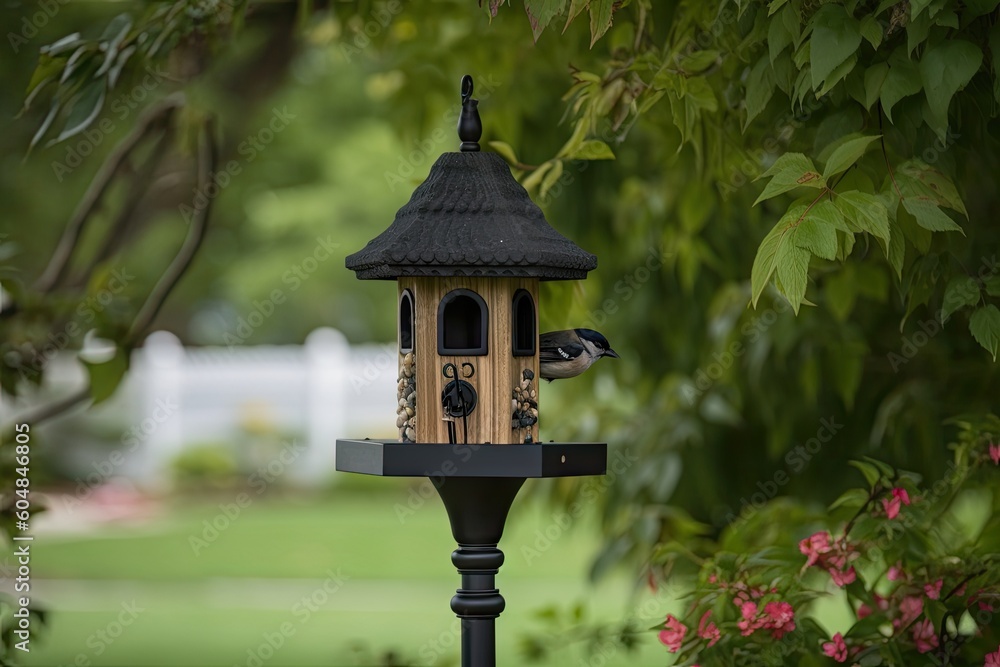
[(406, 395), (524, 407)]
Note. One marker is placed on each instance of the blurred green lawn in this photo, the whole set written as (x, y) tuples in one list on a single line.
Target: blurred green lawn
[(218, 607)]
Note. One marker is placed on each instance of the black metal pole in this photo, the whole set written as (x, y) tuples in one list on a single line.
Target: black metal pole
[(478, 602), (477, 508)]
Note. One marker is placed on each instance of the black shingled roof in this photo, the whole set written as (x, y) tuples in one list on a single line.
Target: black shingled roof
[(471, 218)]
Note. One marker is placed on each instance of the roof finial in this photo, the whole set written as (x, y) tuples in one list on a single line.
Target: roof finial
[(470, 127)]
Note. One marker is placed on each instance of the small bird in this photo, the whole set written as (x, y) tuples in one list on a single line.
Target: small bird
[(566, 354)]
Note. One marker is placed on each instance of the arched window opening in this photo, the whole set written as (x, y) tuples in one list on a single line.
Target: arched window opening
[(462, 324), (523, 325), (406, 322)]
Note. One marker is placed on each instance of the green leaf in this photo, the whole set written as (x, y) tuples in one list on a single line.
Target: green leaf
[(838, 75), (917, 179), (778, 36), (576, 139), (774, 6), (116, 69), (817, 232), (575, 8), (871, 30), (551, 177), (836, 37), (974, 8), (46, 124), (902, 81), (116, 29), (600, 18), (764, 261), (505, 150), (992, 285), (541, 12), (871, 472), (106, 376), (866, 212), (760, 88), (699, 61), (914, 233), (701, 94), (593, 149), (961, 291), (875, 77), (790, 171), (792, 268), (929, 215), (61, 45), (852, 499), (896, 252), (534, 179), (848, 151), (917, 6), (985, 328), (945, 69), (46, 70), (86, 106)]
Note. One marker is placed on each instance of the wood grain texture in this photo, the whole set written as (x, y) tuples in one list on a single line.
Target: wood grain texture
[(496, 374)]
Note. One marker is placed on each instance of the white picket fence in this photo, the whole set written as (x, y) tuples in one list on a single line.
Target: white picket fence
[(176, 397)]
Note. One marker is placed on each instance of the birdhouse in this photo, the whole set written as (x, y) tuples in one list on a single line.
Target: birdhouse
[(467, 252)]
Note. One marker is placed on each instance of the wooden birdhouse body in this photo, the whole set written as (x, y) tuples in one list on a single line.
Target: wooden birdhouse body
[(493, 358), (468, 251)]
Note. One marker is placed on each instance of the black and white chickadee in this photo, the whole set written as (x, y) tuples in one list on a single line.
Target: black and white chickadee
[(566, 354)]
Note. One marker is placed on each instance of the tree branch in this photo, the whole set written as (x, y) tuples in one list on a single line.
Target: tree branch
[(138, 189), (48, 411), (56, 269), (208, 156), (207, 160)]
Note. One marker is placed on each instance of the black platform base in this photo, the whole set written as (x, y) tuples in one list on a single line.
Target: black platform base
[(389, 458)]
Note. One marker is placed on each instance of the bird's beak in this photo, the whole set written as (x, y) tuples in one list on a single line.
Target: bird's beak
[(611, 353)]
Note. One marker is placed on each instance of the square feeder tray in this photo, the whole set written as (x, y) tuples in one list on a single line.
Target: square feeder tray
[(389, 458)]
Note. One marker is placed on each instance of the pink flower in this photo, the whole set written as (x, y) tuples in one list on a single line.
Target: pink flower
[(780, 618), (895, 572), (891, 507), (899, 497), (933, 591), (708, 630), (673, 635), (836, 649), (995, 453), (983, 605), (992, 659), (910, 608), (843, 578), (924, 636), (864, 611), (748, 610), (815, 546)]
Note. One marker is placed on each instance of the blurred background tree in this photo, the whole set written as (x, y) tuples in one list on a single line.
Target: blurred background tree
[(866, 131)]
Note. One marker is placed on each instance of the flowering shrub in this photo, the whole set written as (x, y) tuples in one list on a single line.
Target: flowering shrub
[(916, 564)]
